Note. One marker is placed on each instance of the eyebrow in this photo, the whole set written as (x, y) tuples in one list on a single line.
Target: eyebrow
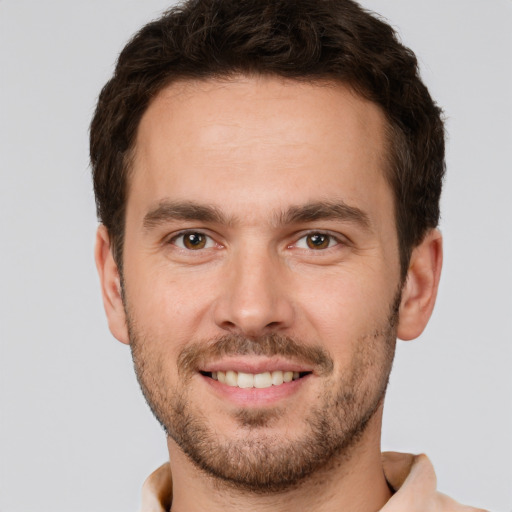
[(167, 211), (337, 210)]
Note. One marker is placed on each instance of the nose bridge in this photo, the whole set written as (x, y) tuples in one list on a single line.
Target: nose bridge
[(253, 300)]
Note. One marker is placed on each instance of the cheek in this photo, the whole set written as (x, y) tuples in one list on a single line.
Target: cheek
[(169, 305), (342, 309)]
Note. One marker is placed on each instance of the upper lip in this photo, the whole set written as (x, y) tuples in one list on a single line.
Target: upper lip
[(255, 365)]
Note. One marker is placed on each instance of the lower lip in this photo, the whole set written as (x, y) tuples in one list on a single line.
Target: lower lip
[(245, 397)]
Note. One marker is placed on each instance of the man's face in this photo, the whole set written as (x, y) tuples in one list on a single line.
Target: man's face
[(260, 243)]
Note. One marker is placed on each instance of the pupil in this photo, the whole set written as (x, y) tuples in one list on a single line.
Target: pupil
[(318, 241), (194, 239)]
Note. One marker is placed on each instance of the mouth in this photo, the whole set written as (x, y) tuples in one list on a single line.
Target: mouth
[(262, 380)]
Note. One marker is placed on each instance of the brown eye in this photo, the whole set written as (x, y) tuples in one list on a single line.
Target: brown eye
[(318, 241), (192, 241)]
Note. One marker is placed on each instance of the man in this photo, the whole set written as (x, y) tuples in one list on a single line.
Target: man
[(267, 177)]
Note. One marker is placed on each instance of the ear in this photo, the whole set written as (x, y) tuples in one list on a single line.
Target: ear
[(110, 285), (420, 289)]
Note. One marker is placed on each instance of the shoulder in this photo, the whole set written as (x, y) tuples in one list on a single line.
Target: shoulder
[(156, 495), (415, 484)]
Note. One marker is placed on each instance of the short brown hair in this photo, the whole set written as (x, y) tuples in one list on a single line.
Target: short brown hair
[(299, 39)]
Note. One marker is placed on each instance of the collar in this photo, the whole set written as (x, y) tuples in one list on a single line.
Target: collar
[(412, 478)]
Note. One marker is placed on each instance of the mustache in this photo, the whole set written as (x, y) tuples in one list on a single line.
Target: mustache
[(193, 357)]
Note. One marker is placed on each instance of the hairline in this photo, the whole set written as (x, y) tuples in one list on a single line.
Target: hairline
[(392, 134)]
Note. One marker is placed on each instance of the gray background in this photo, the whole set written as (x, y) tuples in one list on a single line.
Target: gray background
[(75, 433)]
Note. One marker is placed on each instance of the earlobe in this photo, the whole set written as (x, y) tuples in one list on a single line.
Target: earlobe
[(420, 289), (110, 285)]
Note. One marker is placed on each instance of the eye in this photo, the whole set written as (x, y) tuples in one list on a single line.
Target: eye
[(316, 241), (193, 241)]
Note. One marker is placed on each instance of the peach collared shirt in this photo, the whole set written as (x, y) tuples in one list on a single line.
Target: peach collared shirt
[(411, 476)]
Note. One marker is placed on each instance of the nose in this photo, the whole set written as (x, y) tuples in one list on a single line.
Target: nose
[(254, 297)]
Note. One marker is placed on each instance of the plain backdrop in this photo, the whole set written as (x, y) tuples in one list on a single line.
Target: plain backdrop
[(75, 432)]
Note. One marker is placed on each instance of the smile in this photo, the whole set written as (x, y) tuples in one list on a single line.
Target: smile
[(255, 380)]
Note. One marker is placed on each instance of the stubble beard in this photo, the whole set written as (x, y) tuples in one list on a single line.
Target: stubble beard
[(256, 460)]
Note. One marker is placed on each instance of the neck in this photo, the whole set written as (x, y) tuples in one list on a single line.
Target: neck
[(353, 481)]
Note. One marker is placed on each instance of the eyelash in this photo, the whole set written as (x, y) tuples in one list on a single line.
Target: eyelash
[(209, 242), (332, 241)]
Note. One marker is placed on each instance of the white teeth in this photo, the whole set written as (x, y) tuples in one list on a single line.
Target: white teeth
[(287, 376), (245, 380), (250, 380), (231, 378), (262, 380), (277, 378)]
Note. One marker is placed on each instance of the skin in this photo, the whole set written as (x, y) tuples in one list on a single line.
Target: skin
[(254, 150)]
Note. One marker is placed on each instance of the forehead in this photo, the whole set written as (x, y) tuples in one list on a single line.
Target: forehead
[(245, 138)]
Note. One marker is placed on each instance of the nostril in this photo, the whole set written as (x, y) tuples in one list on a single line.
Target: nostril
[(228, 325), (251, 314)]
